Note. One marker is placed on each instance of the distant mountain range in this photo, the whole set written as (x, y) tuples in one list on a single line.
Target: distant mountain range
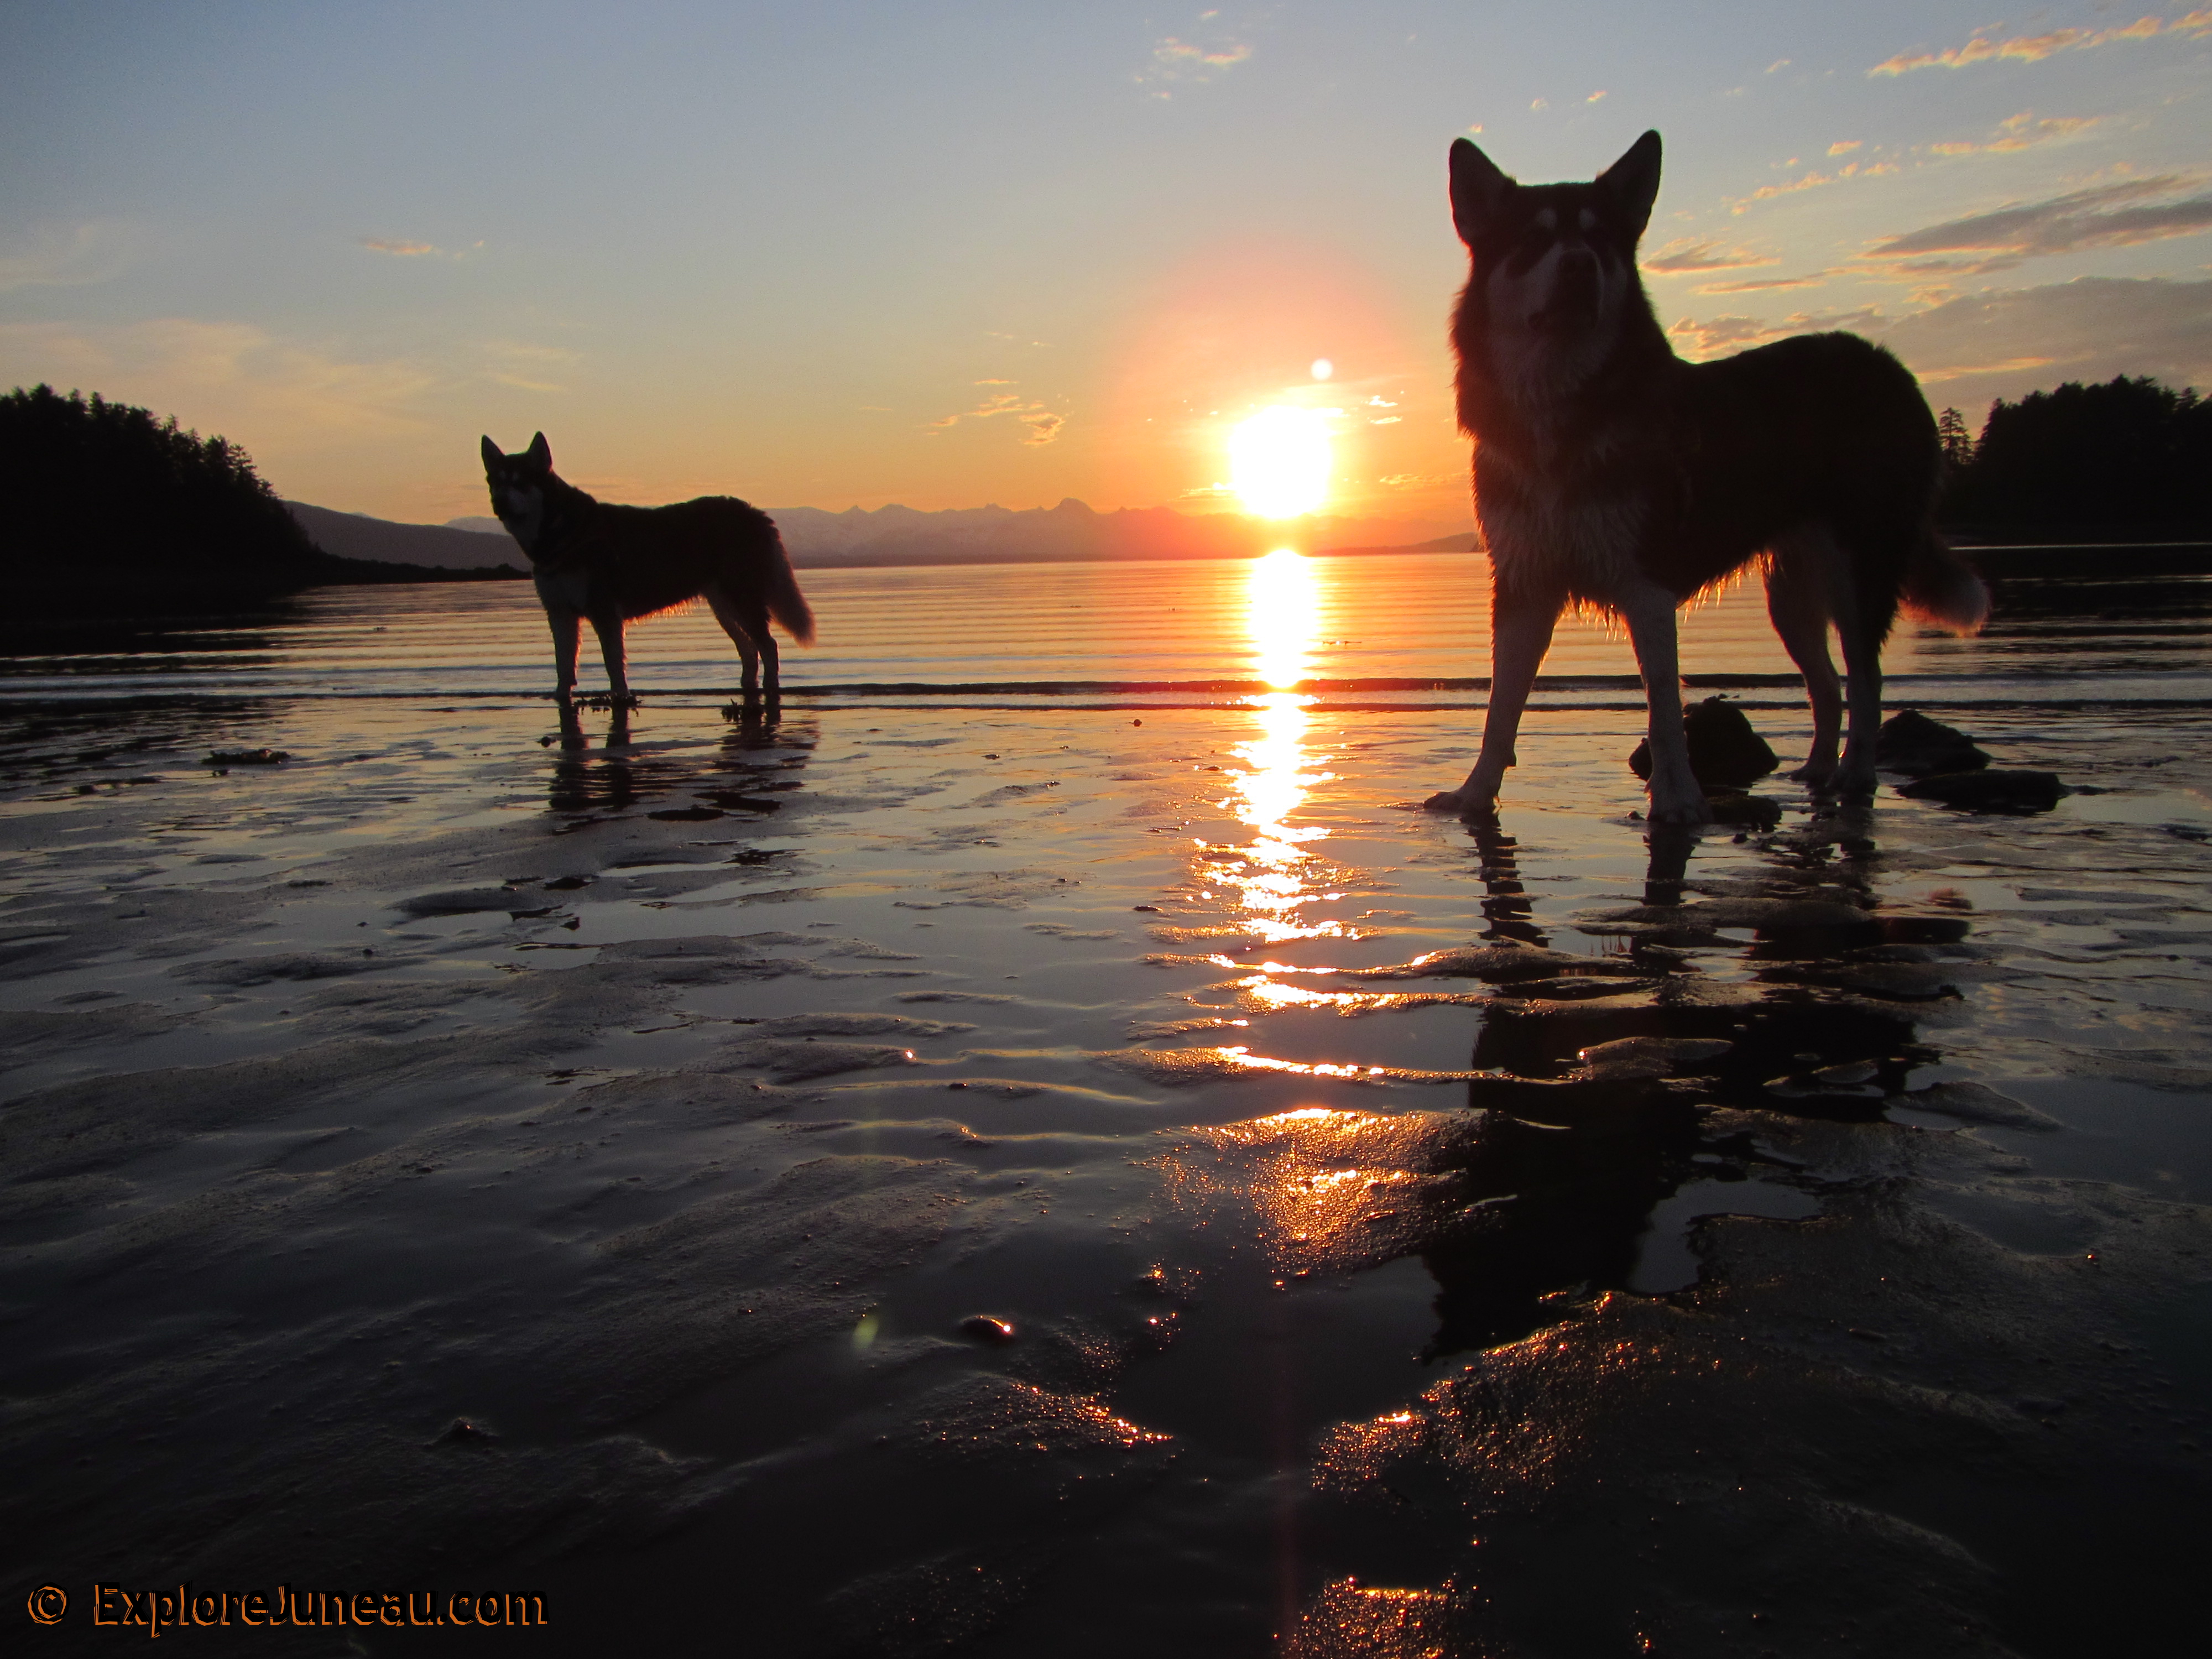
[(902, 535), (357, 536)]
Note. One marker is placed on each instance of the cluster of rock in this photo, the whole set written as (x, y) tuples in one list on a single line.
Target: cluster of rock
[(1946, 766), (1944, 763)]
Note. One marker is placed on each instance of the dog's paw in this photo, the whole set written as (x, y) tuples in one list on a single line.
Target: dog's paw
[(1684, 810), (1461, 804)]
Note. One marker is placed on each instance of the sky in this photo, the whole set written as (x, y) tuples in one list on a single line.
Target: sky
[(943, 254)]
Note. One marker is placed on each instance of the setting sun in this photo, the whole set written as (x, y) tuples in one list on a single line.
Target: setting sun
[(1279, 461)]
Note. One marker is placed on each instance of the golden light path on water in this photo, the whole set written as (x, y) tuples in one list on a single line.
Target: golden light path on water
[(1277, 873)]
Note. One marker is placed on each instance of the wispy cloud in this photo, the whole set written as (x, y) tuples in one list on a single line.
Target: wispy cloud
[(1688, 254), (404, 250), (276, 396), (526, 367), (2119, 214), (1177, 62), (2016, 133), (2004, 342), (66, 257), (1043, 425), (1761, 284), (2034, 48), (1707, 337), (1768, 192)]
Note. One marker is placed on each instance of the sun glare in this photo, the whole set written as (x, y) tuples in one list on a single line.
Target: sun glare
[(1279, 461), (1282, 610)]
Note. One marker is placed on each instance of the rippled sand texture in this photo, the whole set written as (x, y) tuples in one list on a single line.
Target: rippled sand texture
[(1417, 1240)]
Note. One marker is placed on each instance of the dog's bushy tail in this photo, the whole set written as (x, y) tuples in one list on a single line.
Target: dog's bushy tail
[(1942, 588), (785, 602)]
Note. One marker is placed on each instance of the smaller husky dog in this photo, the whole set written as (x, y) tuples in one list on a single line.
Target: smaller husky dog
[(615, 564), (1610, 474)]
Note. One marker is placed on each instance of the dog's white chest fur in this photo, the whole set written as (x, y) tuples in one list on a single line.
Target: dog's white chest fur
[(1541, 537)]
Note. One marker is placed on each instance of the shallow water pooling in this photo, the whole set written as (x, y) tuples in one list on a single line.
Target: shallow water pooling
[(672, 1141)]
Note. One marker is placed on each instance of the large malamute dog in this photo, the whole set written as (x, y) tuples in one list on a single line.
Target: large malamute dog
[(615, 564), (1611, 474)]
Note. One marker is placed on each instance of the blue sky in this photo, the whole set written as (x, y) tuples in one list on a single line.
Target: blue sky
[(776, 250)]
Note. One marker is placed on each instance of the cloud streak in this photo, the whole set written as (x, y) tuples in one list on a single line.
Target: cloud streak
[(85, 253), (2004, 343), (1179, 63), (1709, 337), (395, 248), (2120, 215), (2017, 132), (2034, 48), (273, 394), (1043, 426), (1688, 255), (1759, 285)]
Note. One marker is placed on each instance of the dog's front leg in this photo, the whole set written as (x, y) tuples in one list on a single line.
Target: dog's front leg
[(608, 625), (1520, 634), (563, 621), (1677, 795)]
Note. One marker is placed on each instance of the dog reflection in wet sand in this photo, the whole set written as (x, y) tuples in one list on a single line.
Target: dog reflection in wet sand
[(1610, 475), (613, 565)]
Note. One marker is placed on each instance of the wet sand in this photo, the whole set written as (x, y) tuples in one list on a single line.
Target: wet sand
[(452, 1161)]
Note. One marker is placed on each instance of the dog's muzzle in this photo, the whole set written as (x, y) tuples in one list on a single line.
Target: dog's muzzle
[(1577, 288)]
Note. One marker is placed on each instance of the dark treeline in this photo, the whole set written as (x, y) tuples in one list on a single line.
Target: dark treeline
[(2130, 459), (109, 504), (96, 488)]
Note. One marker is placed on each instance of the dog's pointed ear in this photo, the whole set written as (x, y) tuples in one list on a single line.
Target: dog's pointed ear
[(1633, 180), (540, 454), (492, 457), (1478, 189)]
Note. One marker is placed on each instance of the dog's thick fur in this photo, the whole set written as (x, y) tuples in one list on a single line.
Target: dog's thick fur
[(615, 564), (1611, 474)]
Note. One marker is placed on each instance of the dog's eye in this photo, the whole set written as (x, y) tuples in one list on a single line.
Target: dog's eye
[(1548, 220)]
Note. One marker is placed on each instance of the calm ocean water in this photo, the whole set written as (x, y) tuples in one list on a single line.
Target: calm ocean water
[(474, 1153), (1396, 630)]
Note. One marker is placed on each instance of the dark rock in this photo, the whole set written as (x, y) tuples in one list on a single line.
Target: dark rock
[(1909, 742), (982, 1328), (1734, 806), (458, 901), (1991, 791), (465, 1433), (1724, 752)]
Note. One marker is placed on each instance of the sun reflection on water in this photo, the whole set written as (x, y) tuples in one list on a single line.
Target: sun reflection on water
[(1275, 876)]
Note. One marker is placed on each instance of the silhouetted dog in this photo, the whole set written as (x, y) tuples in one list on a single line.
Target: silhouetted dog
[(615, 564), (1611, 474)]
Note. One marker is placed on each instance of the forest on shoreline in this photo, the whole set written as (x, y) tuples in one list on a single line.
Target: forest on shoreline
[(2127, 460)]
